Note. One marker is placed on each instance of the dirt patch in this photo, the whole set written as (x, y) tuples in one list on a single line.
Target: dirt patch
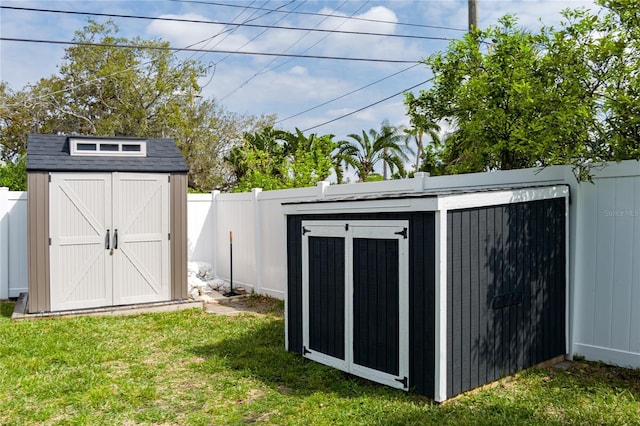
[(261, 305)]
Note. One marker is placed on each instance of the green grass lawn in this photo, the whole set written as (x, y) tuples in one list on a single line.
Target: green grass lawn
[(190, 367)]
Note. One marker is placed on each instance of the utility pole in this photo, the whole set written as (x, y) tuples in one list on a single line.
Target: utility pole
[(473, 14)]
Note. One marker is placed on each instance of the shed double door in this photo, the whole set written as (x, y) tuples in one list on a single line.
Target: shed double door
[(355, 298), (109, 239)]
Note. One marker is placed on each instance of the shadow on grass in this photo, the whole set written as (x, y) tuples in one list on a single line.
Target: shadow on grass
[(258, 352), (6, 308)]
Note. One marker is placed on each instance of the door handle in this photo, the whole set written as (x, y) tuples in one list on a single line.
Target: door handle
[(115, 239), (108, 240)]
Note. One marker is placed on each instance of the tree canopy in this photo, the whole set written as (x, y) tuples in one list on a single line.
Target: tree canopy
[(113, 91), (513, 98)]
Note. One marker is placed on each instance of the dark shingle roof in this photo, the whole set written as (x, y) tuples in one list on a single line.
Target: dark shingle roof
[(51, 153)]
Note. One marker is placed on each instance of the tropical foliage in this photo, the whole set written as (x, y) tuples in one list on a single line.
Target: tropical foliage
[(366, 150), (278, 159)]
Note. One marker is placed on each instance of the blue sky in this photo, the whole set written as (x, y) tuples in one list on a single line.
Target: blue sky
[(271, 85)]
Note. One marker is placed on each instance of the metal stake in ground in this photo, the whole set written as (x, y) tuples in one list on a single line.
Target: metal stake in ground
[(231, 292)]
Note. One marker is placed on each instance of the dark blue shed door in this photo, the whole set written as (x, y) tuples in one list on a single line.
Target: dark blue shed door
[(326, 296), (355, 297), (375, 304)]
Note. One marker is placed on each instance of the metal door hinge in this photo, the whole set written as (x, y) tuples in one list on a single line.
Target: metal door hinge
[(305, 350), (305, 230), (346, 227), (49, 241), (169, 178), (169, 236), (403, 233), (404, 381)]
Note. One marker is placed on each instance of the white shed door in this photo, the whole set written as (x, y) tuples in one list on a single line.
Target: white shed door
[(141, 226), (109, 239), (79, 218)]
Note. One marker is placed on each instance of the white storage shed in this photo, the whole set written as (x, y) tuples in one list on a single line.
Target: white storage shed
[(106, 222)]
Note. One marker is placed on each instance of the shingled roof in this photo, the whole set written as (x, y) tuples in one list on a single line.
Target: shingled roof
[(51, 153)]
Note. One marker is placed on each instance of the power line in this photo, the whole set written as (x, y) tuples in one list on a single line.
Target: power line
[(368, 106), (186, 49), (201, 21), (289, 60), (258, 35), (353, 18), (346, 94), (236, 26)]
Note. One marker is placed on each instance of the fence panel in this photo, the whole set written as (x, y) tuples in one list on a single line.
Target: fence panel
[(236, 213), (200, 228), (17, 243), (607, 272)]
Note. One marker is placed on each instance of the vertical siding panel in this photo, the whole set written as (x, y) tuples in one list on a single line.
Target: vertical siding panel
[(585, 301), (517, 284), (417, 320), (621, 286), (294, 283), (491, 293), (483, 303), (38, 238), (550, 282), (634, 300), (603, 308), (561, 272), (421, 303), (474, 273), (44, 240), (502, 326), (453, 367), (179, 235), (527, 293), (538, 283), (511, 224), (465, 295)]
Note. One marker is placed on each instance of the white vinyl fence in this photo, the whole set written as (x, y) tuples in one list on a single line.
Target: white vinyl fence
[(13, 243), (606, 283), (604, 245)]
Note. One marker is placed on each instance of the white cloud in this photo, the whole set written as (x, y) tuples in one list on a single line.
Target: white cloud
[(205, 36)]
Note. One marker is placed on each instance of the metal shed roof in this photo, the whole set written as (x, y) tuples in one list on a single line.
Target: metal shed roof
[(432, 193), (51, 153)]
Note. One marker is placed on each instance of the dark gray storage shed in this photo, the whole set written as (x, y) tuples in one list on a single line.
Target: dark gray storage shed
[(107, 222), (433, 292)]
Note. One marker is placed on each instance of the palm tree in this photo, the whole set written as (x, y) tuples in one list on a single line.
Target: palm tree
[(422, 122), (416, 134), (368, 149)]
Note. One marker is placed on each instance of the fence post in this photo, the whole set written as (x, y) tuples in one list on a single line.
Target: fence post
[(214, 212), (419, 181), (258, 240), (322, 186), (4, 243)]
